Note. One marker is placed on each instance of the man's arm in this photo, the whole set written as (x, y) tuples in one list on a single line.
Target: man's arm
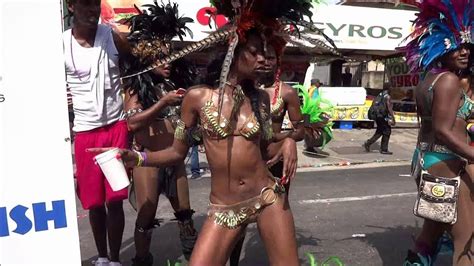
[(179, 149), (388, 102), (121, 43)]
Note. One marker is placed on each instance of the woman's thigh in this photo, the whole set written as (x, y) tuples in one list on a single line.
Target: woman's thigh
[(277, 230), (146, 186), (463, 230), (214, 244)]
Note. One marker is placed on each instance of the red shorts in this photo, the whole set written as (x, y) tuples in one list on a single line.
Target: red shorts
[(93, 189)]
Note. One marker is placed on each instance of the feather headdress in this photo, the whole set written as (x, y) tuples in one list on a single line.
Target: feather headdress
[(441, 26), (244, 14), (151, 31), (272, 19)]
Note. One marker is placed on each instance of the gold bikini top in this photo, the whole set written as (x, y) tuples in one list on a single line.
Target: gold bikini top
[(278, 108), (219, 127)]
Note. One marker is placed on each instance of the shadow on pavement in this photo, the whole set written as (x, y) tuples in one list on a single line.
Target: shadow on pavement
[(393, 243), (165, 245)]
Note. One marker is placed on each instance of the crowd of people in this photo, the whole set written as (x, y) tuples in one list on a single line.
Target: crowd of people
[(139, 94)]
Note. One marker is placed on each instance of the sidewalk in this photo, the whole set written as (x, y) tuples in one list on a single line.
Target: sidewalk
[(346, 149)]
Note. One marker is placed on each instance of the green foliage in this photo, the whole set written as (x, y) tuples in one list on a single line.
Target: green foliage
[(318, 110), (170, 264)]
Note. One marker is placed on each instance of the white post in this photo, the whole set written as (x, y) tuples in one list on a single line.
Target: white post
[(38, 221)]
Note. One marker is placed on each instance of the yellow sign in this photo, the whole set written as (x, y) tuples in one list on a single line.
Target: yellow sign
[(359, 113), (406, 117)]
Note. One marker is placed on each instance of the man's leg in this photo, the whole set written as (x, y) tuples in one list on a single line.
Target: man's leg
[(375, 137), (195, 170), (116, 136), (386, 132), (115, 226), (91, 191), (97, 219)]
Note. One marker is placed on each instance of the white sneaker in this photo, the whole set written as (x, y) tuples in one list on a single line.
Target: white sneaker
[(101, 262), (115, 263)]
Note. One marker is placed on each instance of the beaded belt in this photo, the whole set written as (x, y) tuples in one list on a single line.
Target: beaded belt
[(245, 212)]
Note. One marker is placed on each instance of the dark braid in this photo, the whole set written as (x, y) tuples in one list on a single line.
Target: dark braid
[(254, 96)]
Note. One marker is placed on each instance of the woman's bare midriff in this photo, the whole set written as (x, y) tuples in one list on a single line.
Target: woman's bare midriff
[(237, 174), (447, 168)]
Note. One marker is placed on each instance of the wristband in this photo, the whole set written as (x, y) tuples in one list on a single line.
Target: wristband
[(144, 158), (139, 158), (469, 126)]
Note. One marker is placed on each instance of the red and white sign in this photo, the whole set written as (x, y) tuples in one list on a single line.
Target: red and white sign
[(350, 27)]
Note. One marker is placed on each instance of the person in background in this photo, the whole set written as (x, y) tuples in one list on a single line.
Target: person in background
[(92, 54), (194, 157), (384, 118), (314, 89), (346, 77), (408, 102), (152, 105)]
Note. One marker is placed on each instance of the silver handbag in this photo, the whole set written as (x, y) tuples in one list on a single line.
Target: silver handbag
[(437, 198)]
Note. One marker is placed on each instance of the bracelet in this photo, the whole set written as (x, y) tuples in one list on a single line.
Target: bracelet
[(139, 159), (144, 158), (469, 126)]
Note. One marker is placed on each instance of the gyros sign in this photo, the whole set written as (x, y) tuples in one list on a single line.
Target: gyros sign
[(350, 27)]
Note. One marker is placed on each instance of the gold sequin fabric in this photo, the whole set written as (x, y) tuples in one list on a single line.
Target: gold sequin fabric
[(245, 212), (217, 126), (278, 108)]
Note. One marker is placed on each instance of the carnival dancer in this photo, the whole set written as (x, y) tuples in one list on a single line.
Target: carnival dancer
[(92, 54), (284, 101), (440, 47), (236, 125), (152, 111)]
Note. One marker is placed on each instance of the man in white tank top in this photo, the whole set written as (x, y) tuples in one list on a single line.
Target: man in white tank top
[(93, 79)]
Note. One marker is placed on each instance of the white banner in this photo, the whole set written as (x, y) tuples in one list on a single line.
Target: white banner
[(364, 28), (360, 28), (38, 221)]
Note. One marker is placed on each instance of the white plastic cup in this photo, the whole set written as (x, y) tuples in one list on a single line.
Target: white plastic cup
[(113, 169)]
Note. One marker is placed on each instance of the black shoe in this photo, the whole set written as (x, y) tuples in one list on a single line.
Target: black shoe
[(146, 261), (386, 152), (187, 234), (366, 146)]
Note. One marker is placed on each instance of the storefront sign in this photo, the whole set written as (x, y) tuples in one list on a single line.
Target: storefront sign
[(364, 28), (38, 221), (350, 27), (403, 84)]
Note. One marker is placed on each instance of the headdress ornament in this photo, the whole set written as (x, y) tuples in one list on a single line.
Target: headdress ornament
[(441, 26), (151, 32), (280, 18)]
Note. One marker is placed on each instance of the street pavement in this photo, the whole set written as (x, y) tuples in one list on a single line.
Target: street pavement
[(346, 149), (333, 199), (361, 215)]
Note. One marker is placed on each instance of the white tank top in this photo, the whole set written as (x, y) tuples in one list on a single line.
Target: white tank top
[(93, 78)]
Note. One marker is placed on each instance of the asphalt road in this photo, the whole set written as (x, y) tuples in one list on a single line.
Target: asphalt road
[(362, 216)]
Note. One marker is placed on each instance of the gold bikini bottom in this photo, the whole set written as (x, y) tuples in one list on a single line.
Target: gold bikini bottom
[(245, 212)]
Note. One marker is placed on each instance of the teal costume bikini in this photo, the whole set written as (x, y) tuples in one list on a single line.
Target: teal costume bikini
[(436, 153)]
